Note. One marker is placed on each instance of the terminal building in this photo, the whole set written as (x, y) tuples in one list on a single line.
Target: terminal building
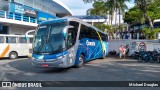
[(19, 16), (92, 19)]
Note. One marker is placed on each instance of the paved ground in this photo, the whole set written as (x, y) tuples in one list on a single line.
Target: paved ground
[(109, 69)]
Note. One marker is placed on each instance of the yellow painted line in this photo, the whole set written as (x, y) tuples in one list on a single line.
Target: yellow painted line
[(5, 51), (100, 40)]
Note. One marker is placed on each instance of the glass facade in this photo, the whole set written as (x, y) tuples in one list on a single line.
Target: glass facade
[(37, 4), (35, 9), (4, 6)]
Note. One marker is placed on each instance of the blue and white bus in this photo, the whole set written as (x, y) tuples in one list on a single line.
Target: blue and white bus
[(67, 42)]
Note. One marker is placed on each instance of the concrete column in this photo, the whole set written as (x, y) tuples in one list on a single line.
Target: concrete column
[(21, 17), (127, 27), (5, 14), (159, 37), (29, 19), (13, 16), (137, 36), (36, 21), (93, 23), (130, 36)]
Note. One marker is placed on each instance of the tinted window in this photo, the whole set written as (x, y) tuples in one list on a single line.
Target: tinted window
[(10, 39), (104, 36), (22, 40), (75, 25), (30, 40), (84, 32), (1, 39), (93, 34), (72, 34), (70, 39), (42, 30), (88, 32)]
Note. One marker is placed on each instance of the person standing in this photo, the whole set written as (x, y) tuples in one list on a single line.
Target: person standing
[(122, 51)]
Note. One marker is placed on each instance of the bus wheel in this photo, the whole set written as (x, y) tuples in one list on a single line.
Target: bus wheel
[(13, 55), (80, 61)]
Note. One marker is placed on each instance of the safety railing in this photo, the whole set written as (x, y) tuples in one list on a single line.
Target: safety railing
[(16, 16)]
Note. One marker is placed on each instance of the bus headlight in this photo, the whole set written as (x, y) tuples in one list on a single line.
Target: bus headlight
[(61, 57), (70, 55)]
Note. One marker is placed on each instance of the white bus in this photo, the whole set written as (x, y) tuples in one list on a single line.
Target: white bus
[(13, 46)]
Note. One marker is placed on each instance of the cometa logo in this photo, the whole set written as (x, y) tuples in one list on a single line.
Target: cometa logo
[(90, 43)]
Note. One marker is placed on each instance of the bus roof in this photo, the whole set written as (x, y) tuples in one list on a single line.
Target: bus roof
[(12, 35), (70, 19), (156, 20)]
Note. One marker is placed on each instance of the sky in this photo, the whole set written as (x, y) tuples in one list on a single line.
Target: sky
[(78, 7)]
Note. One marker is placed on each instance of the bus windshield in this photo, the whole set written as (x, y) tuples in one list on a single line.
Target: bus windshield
[(49, 39)]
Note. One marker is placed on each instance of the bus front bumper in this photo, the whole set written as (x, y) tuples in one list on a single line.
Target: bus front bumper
[(50, 64)]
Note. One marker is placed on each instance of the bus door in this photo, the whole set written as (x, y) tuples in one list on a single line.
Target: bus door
[(71, 41)]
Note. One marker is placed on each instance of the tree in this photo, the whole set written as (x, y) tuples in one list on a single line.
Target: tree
[(109, 5), (112, 6), (90, 1), (151, 12), (101, 6), (151, 34), (98, 9), (134, 15), (107, 28), (148, 8), (122, 7)]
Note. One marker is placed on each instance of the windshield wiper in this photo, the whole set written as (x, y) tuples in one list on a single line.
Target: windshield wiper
[(40, 47)]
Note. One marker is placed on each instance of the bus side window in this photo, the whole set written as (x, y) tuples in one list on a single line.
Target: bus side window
[(1, 39), (84, 32), (30, 40), (22, 40), (70, 37), (104, 37), (6, 39), (72, 34), (10, 39), (93, 34)]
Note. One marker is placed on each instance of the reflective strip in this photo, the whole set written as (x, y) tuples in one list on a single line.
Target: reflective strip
[(5, 51)]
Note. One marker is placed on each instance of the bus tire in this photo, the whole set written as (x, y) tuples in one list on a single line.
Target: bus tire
[(13, 55), (80, 61)]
